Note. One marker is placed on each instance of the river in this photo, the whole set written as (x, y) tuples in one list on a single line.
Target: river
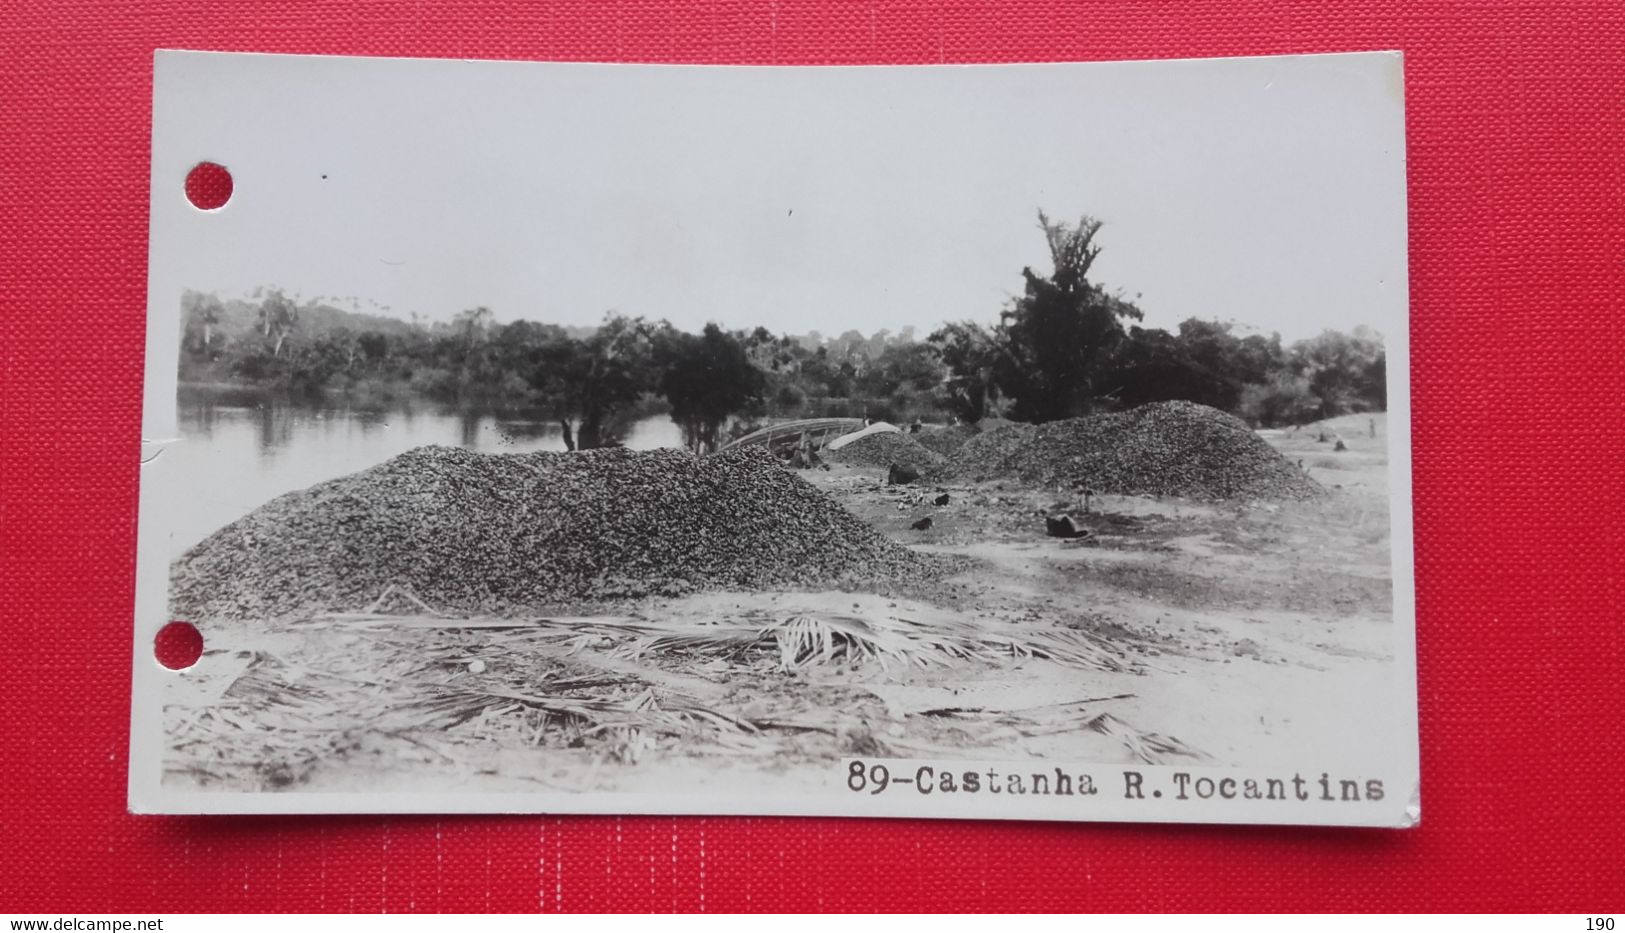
[(238, 452)]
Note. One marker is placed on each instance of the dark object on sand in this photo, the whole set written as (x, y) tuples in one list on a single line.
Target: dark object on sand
[(941, 500), (1062, 526), (901, 475), (922, 524), (1341, 447)]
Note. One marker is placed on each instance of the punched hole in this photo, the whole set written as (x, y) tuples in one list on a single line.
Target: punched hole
[(178, 645), (208, 186)]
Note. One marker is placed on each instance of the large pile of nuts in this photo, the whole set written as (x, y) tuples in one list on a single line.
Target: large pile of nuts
[(468, 532), (886, 448), (1166, 449)]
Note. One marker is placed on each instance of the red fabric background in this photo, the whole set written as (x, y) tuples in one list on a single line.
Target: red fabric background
[(1517, 186)]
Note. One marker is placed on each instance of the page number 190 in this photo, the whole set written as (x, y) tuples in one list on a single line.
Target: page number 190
[(1599, 923)]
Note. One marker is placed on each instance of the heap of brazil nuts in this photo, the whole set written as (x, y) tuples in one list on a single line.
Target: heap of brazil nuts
[(1164, 449), (506, 533)]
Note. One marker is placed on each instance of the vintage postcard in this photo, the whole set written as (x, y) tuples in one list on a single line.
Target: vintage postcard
[(1004, 442)]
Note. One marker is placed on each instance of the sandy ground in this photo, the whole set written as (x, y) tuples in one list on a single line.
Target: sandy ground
[(1241, 634)]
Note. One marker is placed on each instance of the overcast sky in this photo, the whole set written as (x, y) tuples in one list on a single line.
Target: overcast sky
[(1269, 191)]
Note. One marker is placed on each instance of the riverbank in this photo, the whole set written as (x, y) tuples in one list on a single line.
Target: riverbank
[(1247, 633)]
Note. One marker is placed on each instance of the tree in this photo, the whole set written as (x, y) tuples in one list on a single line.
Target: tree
[(1153, 365), (594, 380), (1284, 399), (789, 398), (554, 375), (913, 366), (277, 319), (821, 373), (1205, 362), (970, 353), (473, 324), (312, 365), (374, 346), (1229, 360), (1341, 369), (1055, 340), (202, 314), (706, 378), (849, 353), (1372, 387)]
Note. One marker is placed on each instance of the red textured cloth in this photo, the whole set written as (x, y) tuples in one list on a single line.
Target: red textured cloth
[(1517, 212)]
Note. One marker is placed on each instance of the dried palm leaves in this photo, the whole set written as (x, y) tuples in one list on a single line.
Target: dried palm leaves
[(429, 688)]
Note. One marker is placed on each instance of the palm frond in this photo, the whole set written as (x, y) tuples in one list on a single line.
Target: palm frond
[(1150, 747)]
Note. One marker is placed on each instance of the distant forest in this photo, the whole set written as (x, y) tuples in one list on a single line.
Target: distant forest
[(1066, 346)]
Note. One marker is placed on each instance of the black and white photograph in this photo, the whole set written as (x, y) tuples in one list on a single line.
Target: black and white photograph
[(972, 442)]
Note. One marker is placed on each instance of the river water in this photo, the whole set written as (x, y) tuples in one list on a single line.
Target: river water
[(238, 452)]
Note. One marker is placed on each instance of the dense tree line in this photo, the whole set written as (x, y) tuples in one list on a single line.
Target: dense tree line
[(1066, 346)]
